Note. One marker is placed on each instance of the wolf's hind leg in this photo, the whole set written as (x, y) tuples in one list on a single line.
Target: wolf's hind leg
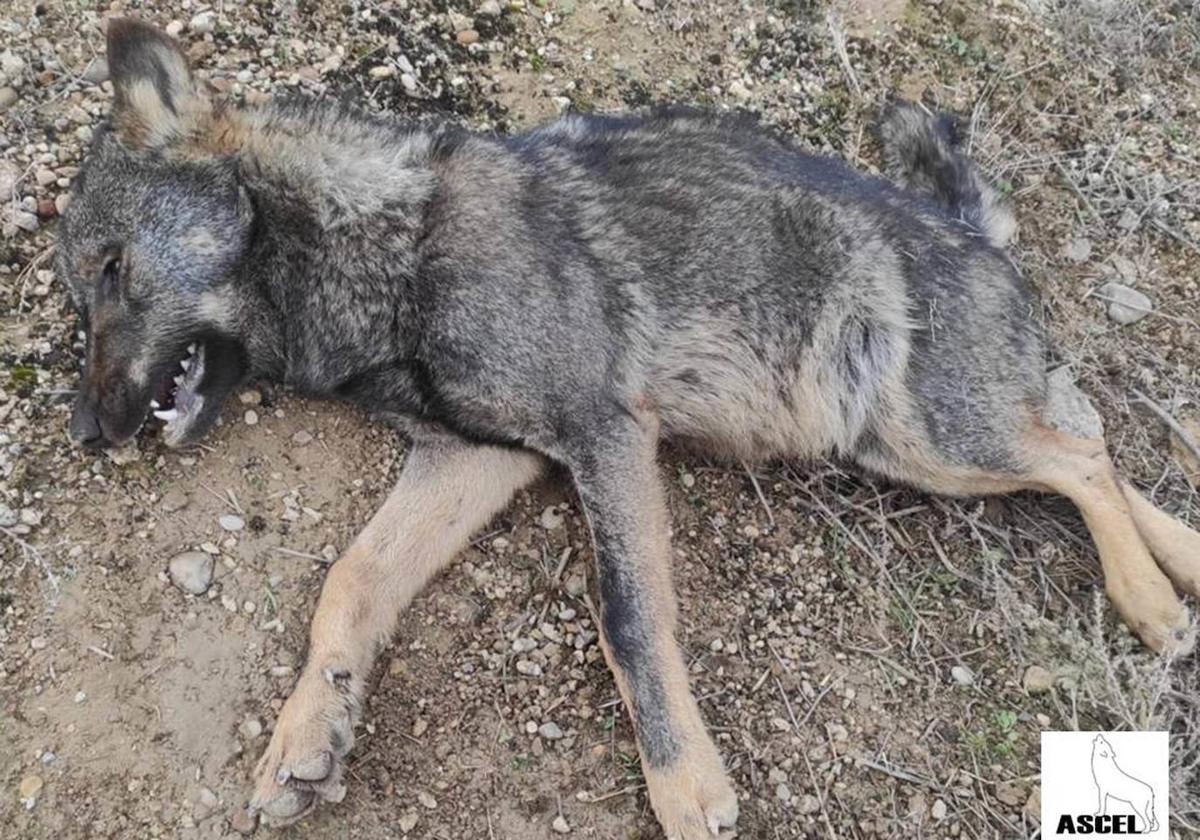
[(1080, 469), (447, 491), (1174, 545), (616, 474), (1120, 522)]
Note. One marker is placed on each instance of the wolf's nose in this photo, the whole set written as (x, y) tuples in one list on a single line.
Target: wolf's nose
[(85, 427)]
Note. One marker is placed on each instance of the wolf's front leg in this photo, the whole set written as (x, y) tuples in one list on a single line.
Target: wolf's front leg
[(448, 490), (614, 469)]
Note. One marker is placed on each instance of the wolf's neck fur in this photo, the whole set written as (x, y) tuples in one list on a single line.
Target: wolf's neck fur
[(341, 199)]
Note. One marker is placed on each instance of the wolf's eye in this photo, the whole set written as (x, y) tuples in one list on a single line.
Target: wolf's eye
[(111, 275)]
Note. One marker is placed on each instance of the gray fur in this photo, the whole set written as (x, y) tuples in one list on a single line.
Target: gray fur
[(545, 289)]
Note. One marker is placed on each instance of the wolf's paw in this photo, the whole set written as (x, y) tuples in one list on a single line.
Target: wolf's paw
[(303, 763), (1154, 613), (693, 800)]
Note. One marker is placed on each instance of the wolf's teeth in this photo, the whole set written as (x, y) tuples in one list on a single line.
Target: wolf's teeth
[(154, 404), (179, 380), (192, 348), (168, 415), (185, 363)]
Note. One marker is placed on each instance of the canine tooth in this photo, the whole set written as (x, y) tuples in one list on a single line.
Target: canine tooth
[(185, 363), (154, 404), (168, 415), (192, 348), (179, 380)]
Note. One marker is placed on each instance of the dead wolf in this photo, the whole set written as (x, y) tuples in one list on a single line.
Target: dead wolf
[(569, 296)]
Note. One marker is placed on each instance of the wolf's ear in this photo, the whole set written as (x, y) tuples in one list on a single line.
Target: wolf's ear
[(156, 96)]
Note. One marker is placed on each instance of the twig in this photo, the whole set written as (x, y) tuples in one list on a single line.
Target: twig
[(838, 34), (761, 496), (304, 554), (1184, 436), (897, 773)]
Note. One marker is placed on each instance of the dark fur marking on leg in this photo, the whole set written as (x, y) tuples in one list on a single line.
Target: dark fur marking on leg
[(629, 628)]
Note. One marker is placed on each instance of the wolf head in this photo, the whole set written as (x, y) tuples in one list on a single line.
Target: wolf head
[(150, 246), (1101, 748)]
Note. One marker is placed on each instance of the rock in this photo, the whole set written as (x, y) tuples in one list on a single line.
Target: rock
[(467, 37), (550, 731), (191, 572), (24, 220), (9, 176), (408, 821), (250, 729), (738, 90), (1010, 793), (251, 417), (232, 522), (939, 810), (206, 804), (560, 825), (174, 500), (45, 177), (8, 98), (783, 793), (1125, 305), (8, 516), (808, 804), (427, 800), (243, 822), (576, 585), (12, 64), (647, 5), (1078, 250), (550, 519), (302, 438), (1068, 409), (490, 8), (250, 396), (30, 789), (174, 28), (97, 71), (381, 71), (1037, 680), (962, 675), (61, 202), (203, 23), (409, 82), (46, 208)]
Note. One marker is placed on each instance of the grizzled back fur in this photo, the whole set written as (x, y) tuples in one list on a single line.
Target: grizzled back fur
[(765, 301)]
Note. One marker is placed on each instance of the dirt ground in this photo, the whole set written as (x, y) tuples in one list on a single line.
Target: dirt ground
[(874, 662)]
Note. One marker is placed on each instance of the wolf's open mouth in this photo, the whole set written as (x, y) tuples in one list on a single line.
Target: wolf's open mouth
[(177, 403)]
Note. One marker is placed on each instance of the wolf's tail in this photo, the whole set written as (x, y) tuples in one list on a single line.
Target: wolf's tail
[(920, 152)]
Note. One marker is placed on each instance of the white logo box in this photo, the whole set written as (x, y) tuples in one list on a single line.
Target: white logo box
[(1106, 784)]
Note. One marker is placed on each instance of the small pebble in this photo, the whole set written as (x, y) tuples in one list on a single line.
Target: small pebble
[(191, 572), (560, 825), (243, 822), (231, 522), (550, 731), (962, 675), (1037, 680), (251, 417), (29, 789)]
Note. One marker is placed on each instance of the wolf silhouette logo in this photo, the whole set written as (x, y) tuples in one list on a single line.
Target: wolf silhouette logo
[(1114, 783)]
